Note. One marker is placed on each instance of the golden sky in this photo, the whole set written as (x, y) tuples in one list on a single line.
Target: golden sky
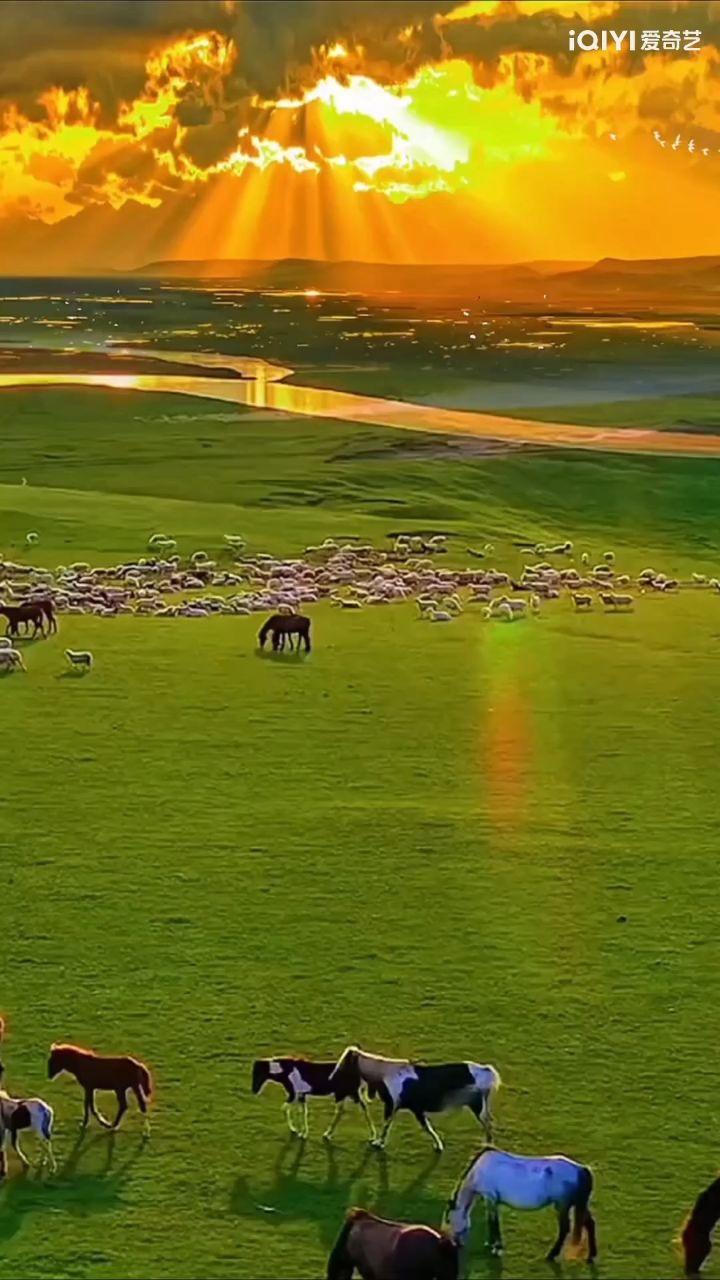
[(402, 130)]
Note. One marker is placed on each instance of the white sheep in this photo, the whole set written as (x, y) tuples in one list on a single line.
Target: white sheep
[(440, 615), (500, 610), (79, 659), (609, 557), (5, 643), (613, 600), (581, 600), (585, 557), (699, 579), (10, 659), (31, 539)]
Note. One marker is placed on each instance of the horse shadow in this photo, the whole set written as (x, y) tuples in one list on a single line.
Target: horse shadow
[(73, 673), (298, 1190), (281, 655), (89, 1180)]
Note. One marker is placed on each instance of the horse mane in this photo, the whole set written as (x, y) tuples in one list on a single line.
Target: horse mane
[(72, 1048), (466, 1170), (706, 1210)]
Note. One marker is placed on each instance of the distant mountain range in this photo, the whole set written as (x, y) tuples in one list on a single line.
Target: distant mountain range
[(654, 281)]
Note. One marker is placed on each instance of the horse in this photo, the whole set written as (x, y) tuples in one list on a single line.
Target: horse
[(25, 613), (302, 1079), (97, 1071), (27, 1113), (48, 610), (698, 1227), (524, 1182), (283, 626), (411, 1086), (382, 1250)]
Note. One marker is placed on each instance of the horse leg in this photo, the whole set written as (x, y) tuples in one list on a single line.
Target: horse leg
[(304, 1127), (366, 1112), (121, 1095), (563, 1214), (480, 1108), (494, 1234), (100, 1118), (339, 1108), (143, 1107), (389, 1117), (426, 1125), (89, 1106), (592, 1236), (15, 1140), (286, 1108)]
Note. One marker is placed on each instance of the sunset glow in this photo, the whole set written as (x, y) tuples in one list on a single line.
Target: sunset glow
[(488, 149)]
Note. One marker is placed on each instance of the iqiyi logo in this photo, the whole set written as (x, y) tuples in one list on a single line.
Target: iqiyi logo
[(642, 41)]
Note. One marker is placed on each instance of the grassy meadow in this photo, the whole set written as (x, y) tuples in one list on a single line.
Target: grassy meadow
[(470, 841)]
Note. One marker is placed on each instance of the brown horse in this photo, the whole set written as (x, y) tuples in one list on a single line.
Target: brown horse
[(285, 625), (48, 610), (696, 1232), (25, 613), (381, 1250), (96, 1071)]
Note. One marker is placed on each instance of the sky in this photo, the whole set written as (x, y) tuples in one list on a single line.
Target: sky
[(418, 131)]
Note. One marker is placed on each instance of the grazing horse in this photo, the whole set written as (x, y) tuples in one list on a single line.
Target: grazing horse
[(382, 1250), (24, 613), (284, 626), (27, 1113), (412, 1086), (302, 1079), (698, 1227), (524, 1182), (96, 1071)]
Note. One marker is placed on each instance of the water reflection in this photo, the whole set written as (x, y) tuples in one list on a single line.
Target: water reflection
[(261, 387)]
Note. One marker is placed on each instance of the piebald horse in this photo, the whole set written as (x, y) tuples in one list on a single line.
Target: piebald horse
[(382, 1250), (524, 1182), (412, 1086)]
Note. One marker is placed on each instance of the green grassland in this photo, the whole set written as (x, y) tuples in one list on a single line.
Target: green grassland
[(474, 841)]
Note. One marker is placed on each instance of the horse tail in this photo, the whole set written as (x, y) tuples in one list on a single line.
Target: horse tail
[(340, 1264), (145, 1081), (580, 1203), (46, 1123)]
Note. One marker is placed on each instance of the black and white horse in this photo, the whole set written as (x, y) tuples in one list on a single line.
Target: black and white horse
[(301, 1079), (411, 1086)]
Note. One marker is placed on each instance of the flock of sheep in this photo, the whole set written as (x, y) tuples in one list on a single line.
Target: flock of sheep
[(350, 575)]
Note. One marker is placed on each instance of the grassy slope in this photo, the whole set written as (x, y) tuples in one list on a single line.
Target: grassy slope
[(421, 839)]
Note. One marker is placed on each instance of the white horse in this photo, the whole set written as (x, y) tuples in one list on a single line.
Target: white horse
[(28, 1113), (524, 1182)]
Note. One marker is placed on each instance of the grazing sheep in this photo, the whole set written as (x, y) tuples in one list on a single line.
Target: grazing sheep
[(499, 611), (699, 579), (32, 538), (440, 615), (581, 600), (5, 643), (585, 557), (79, 659), (613, 600), (609, 557), (10, 659)]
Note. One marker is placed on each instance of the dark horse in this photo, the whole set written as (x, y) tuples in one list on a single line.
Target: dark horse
[(381, 1250), (282, 626), (25, 613), (95, 1071), (48, 610), (697, 1230)]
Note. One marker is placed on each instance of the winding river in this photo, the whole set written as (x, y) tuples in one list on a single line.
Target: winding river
[(262, 386)]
